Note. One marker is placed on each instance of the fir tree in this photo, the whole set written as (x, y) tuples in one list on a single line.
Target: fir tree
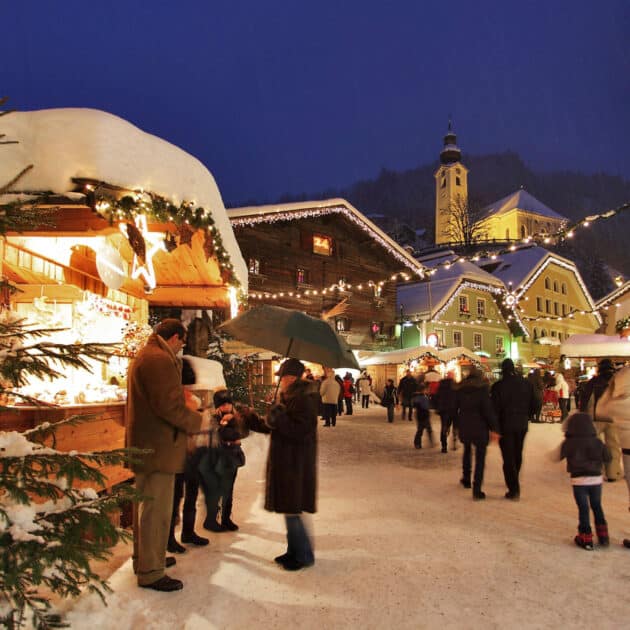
[(50, 528)]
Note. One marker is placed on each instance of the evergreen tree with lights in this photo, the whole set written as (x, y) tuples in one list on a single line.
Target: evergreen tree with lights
[(52, 522)]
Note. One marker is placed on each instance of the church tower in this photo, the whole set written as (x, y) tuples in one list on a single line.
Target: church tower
[(451, 185)]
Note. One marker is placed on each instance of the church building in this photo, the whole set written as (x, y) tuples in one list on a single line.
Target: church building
[(515, 217)]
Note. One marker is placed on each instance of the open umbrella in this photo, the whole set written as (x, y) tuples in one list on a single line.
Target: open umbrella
[(291, 334)]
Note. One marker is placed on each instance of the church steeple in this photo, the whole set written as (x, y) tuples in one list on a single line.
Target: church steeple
[(451, 152), (451, 187)]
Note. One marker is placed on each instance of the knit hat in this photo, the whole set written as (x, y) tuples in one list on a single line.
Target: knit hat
[(291, 367), (221, 397)]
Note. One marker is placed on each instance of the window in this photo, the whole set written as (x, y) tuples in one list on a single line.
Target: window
[(302, 276), (463, 304), (477, 341), (547, 283), (564, 309), (253, 265), (556, 309), (535, 334), (440, 336), (443, 183), (457, 338), (498, 345), (458, 181), (548, 306), (523, 231), (481, 307), (539, 304), (543, 333), (322, 245), (556, 286), (553, 333), (564, 288)]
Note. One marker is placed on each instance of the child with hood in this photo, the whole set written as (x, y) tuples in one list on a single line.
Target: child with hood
[(586, 455)]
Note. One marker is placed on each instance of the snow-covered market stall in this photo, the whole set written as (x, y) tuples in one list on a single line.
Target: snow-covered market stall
[(582, 352), (128, 221)]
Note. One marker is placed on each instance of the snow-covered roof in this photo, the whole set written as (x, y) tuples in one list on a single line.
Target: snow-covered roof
[(87, 143), (519, 267), (591, 346), (303, 209), (521, 200), (395, 357), (614, 295)]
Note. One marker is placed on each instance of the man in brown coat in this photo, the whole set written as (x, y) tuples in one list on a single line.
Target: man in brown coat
[(157, 419)]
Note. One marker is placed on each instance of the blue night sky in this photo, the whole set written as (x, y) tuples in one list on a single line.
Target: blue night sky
[(287, 96)]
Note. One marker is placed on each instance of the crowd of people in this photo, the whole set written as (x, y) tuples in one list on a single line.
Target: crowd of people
[(185, 447)]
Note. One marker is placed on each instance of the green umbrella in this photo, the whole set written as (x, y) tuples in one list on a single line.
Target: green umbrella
[(291, 334)]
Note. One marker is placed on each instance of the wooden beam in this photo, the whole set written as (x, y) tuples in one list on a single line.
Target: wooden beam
[(189, 297)]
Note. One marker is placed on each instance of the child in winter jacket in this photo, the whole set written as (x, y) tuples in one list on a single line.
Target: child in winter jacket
[(585, 455)]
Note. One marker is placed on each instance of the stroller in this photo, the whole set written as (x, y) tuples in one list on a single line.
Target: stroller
[(550, 411)]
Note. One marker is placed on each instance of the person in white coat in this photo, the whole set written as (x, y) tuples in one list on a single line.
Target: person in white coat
[(615, 404), (562, 388), (329, 391)]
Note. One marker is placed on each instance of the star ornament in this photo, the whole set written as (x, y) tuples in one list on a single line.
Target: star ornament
[(154, 243)]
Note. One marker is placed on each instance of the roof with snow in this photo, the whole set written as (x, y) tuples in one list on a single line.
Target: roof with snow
[(63, 144), (430, 297), (521, 200), (614, 295), (305, 209)]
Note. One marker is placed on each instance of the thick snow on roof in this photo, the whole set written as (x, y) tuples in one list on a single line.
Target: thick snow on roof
[(521, 200), (88, 143), (586, 346)]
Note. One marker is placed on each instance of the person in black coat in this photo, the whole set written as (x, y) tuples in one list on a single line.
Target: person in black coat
[(515, 403), (406, 389), (475, 418), (446, 405), (535, 378), (292, 463)]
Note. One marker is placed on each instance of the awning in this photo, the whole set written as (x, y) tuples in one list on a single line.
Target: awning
[(595, 346)]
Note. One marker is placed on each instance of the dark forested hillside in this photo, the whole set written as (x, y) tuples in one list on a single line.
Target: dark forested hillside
[(410, 197)]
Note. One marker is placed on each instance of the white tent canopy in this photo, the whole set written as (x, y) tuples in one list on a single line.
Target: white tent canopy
[(595, 346)]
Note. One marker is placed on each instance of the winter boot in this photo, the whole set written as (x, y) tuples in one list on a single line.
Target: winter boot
[(478, 495), (465, 482), (585, 541), (602, 535)]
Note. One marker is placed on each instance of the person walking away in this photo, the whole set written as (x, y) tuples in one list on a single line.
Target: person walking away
[(614, 404), (585, 455), (446, 405), (421, 404), (158, 420), (341, 396), (535, 378), (187, 483), (406, 389), (365, 389), (562, 387), (348, 392), (292, 463), (514, 404), (329, 392), (389, 399), (475, 419), (432, 380), (592, 391)]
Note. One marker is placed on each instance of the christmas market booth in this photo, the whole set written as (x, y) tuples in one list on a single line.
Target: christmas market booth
[(385, 365), (118, 221)]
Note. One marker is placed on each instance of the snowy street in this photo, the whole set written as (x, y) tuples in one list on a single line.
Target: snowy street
[(399, 544)]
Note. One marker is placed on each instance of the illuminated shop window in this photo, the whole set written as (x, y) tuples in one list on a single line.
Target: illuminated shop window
[(253, 265)]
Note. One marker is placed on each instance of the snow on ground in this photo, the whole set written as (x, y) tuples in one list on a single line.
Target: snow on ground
[(399, 543)]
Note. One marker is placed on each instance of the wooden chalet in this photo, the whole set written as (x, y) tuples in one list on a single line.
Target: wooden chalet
[(327, 259)]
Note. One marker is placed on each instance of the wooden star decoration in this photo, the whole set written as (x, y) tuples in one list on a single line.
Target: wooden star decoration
[(154, 242), (185, 234)]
